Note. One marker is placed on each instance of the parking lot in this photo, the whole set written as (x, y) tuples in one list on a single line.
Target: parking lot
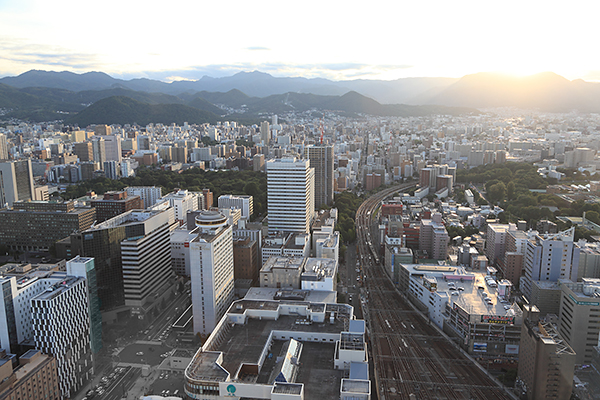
[(138, 353), (168, 381)]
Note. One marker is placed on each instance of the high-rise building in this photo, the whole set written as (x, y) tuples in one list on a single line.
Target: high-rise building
[(61, 328), (579, 316), (244, 203), (99, 150), (37, 225), (16, 182), (245, 260), (83, 151), (550, 257), (85, 268), (146, 260), (495, 244), (546, 361), (112, 145), (265, 132), (321, 159), (211, 269), (208, 198), (148, 194), (3, 147), (433, 238), (290, 195), (112, 169), (104, 243), (102, 130)]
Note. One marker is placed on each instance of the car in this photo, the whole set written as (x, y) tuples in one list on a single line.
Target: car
[(454, 293), (460, 288), (139, 353)]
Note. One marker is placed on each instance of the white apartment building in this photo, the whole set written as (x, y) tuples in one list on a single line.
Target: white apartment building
[(290, 195), (182, 201), (244, 203), (211, 270), (149, 194)]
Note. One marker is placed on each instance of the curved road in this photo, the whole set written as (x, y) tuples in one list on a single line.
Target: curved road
[(410, 355)]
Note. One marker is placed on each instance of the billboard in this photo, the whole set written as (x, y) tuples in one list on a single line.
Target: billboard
[(498, 319), (480, 347), (511, 349)]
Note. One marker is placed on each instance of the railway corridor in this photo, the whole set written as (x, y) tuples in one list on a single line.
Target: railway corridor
[(409, 354)]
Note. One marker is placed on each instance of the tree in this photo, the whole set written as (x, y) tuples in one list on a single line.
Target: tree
[(496, 192), (510, 190)]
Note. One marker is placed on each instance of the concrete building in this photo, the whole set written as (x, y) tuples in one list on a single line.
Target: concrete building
[(146, 263), (37, 225), (321, 160), (99, 150), (319, 274), (285, 244), (112, 147), (309, 335), (149, 194), (282, 272), (180, 251), (211, 269), (61, 328), (33, 377), (579, 317), (549, 257), (16, 182), (3, 147), (265, 133), (546, 361), (114, 204), (290, 195), (495, 244), (246, 260), (182, 202), (83, 151), (433, 238), (244, 203)]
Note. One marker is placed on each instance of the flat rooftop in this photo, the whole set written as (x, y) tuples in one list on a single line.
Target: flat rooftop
[(472, 299), (244, 344), (311, 296)]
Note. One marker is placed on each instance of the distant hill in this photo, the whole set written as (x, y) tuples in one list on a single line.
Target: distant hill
[(62, 80), (547, 91), (124, 110)]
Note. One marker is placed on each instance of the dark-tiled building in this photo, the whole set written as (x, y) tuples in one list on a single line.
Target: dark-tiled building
[(37, 225), (116, 203), (245, 259)]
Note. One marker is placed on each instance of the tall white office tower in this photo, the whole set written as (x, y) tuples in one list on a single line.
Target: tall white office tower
[(290, 195), (211, 270)]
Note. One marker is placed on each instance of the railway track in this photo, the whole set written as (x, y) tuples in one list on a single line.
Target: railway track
[(410, 355)]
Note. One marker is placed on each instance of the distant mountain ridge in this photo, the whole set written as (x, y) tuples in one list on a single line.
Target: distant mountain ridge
[(545, 91)]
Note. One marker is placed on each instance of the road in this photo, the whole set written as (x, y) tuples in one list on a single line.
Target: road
[(411, 356)]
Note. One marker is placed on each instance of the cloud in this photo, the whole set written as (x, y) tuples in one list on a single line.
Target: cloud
[(25, 56), (258, 48)]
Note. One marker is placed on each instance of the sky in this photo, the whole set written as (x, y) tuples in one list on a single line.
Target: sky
[(174, 40)]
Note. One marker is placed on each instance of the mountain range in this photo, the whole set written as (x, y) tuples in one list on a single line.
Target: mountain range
[(44, 95)]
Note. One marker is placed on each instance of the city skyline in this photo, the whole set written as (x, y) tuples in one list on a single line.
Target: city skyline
[(329, 40)]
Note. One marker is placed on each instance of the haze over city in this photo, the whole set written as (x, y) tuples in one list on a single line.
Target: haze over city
[(335, 40)]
